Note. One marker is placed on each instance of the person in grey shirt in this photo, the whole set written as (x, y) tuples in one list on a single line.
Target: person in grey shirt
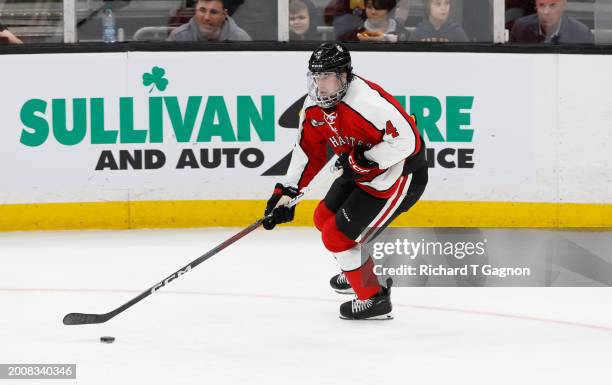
[(210, 23)]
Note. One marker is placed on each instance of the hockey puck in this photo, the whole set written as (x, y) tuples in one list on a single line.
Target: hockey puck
[(107, 339)]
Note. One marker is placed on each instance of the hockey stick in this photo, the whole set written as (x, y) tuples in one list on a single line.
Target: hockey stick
[(82, 318)]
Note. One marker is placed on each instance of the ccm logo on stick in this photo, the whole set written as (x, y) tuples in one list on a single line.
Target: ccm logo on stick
[(170, 278)]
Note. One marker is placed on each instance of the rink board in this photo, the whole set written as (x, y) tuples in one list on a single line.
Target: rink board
[(187, 139), (168, 214)]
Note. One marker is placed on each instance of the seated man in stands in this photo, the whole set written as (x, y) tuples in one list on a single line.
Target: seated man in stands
[(7, 37), (210, 23), (550, 25)]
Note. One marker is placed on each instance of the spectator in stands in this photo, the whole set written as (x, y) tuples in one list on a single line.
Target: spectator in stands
[(349, 15), (300, 23), (378, 25), (7, 36), (437, 27), (550, 25), (210, 23)]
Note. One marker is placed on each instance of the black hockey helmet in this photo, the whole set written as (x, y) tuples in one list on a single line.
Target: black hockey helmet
[(331, 57)]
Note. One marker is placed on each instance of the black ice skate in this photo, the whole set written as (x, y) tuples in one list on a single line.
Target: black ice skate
[(376, 308), (339, 283)]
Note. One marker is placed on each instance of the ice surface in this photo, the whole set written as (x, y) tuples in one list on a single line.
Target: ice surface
[(261, 312)]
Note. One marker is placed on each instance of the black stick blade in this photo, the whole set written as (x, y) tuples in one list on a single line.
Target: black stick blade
[(82, 319)]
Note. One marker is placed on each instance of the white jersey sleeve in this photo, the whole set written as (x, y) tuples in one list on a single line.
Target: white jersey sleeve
[(375, 105)]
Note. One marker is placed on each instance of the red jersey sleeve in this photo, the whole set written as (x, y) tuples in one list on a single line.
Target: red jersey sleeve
[(309, 154)]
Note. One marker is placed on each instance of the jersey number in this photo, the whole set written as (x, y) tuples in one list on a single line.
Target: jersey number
[(391, 130)]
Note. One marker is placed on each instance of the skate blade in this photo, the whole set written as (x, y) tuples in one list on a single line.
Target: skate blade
[(345, 291), (384, 317)]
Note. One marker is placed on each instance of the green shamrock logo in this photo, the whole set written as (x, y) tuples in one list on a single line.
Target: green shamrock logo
[(155, 78)]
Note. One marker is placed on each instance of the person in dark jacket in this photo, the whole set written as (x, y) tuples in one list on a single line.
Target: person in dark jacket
[(348, 15), (378, 25), (437, 26), (550, 25)]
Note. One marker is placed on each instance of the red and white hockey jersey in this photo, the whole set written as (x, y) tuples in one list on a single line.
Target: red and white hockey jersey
[(367, 116)]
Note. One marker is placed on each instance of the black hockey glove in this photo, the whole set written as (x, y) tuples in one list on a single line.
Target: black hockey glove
[(355, 165), (276, 205)]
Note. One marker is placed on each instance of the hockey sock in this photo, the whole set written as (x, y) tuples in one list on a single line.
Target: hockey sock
[(363, 280)]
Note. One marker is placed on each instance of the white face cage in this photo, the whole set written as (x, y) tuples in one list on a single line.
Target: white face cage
[(326, 89)]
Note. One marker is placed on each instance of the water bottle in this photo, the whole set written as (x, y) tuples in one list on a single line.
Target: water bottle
[(109, 32)]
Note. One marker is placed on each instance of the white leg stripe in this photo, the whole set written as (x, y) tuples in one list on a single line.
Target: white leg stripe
[(350, 259), (383, 216), (380, 214)]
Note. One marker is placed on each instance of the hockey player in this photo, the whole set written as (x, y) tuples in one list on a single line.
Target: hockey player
[(384, 172)]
